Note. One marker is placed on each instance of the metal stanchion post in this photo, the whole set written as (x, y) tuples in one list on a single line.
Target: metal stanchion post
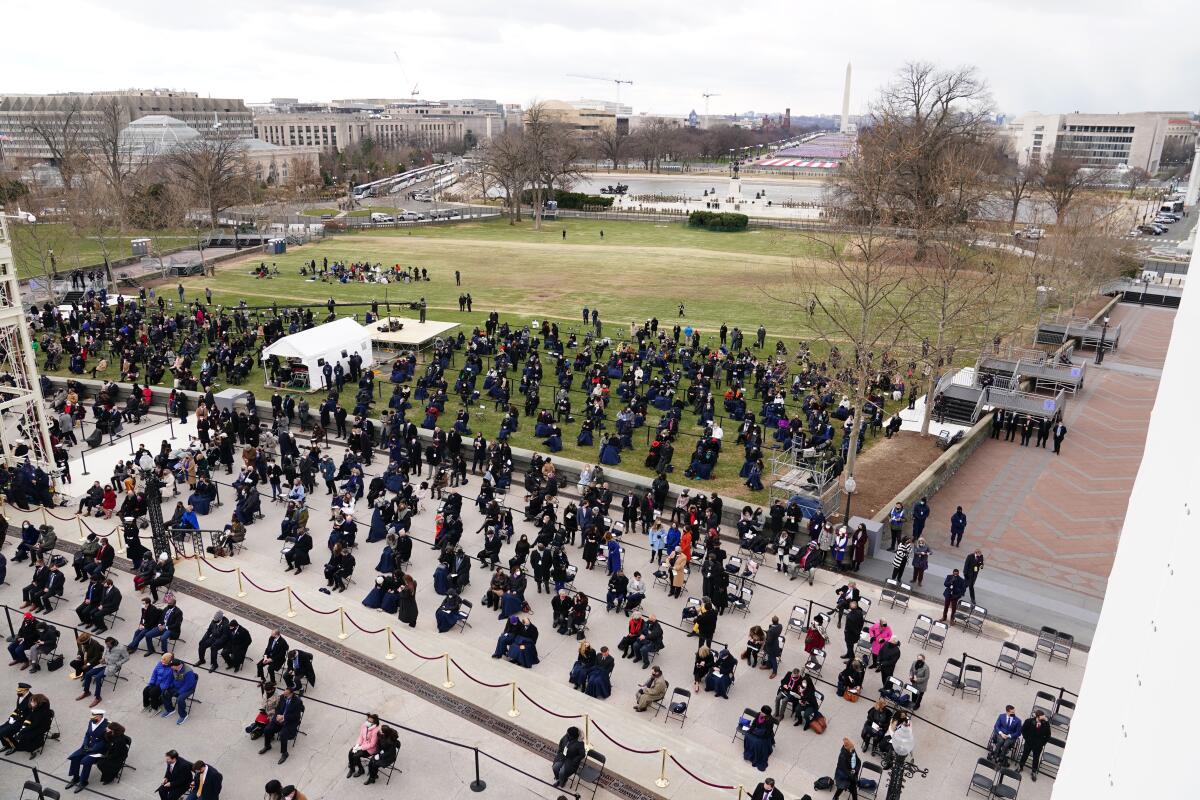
[(449, 684), (241, 589), (131, 452), (513, 711), (390, 654), (83, 457), (661, 781), (477, 785), (291, 612), (587, 744), (199, 572), (79, 522), (171, 424), (342, 623)]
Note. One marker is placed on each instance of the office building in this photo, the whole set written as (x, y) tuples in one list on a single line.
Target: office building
[(1101, 141), (21, 114)]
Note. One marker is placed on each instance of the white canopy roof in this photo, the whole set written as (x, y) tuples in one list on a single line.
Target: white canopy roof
[(341, 334)]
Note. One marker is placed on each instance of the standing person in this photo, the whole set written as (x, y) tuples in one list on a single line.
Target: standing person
[(971, 570), (858, 546), (1036, 733), (920, 513), (887, 659), (772, 649), (920, 561), (958, 526), (1060, 433), (896, 525), (918, 678), (956, 587), (900, 560), (880, 635), (845, 777), (854, 627)]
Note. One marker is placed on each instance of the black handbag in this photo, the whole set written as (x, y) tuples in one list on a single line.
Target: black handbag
[(54, 662)]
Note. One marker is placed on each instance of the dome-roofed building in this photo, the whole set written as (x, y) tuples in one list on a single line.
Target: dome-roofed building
[(156, 135)]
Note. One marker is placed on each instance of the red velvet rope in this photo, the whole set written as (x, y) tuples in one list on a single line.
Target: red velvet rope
[(361, 628), (310, 608), (694, 776), (414, 652), (215, 568), (603, 732), (261, 589), (543, 708), (472, 677)]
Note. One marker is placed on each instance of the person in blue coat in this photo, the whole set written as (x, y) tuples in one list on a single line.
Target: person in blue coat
[(160, 679), (183, 685), (599, 677), (759, 740), (720, 678), (89, 751), (554, 441), (614, 554), (447, 613), (610, 452), (523, 650), (441, 579), (387, 558), (374, 598)]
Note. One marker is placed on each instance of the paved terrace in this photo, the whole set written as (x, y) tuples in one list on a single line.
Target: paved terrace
[(950, 734), (1048, 524)]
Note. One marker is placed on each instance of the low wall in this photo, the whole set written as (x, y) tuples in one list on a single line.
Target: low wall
[(941, 470)]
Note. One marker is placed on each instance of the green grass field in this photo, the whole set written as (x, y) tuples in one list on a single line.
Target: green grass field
[(637, 271), (319, 212), (75, 248)]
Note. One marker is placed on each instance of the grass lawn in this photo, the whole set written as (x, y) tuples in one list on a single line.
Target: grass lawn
[(637, 271), (319, 212), (75, 248)]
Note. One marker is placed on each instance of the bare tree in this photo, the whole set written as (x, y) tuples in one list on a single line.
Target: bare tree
[(112, 155), (551, 150), (609, 142), (1016, 181), (504, 161), (854, 298), (955, 306), (212, 170), (64, 134), (1135, 178), (927, 120), (1063, 179)]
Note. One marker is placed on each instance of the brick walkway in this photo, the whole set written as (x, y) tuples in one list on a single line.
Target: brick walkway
[(1057, 519)]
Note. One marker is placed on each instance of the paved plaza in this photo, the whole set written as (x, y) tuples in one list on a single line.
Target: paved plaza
[(949, 735), (1048, 524)]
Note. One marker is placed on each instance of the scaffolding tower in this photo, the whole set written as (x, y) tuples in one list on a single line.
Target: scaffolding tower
[(807, 472), (24, 432)]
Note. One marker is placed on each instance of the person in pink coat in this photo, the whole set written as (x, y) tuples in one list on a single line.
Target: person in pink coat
[(880, 634), (365, 747)]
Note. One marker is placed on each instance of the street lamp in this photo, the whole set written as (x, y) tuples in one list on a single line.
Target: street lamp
[(903, 745), (851, 486), (1103, 334)]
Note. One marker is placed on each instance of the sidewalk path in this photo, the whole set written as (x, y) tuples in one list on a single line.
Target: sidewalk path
[(1048, 524)]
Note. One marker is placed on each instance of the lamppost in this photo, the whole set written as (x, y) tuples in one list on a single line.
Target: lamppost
[(903, 745), (1103, 334), (850, 486)]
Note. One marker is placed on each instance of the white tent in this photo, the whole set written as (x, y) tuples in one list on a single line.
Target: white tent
[(330, 343)]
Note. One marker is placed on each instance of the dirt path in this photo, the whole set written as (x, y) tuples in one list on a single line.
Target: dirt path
[(889, 466)]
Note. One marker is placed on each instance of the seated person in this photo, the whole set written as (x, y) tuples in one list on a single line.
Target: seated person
[(652, 691), (721, 677), (447, 613)]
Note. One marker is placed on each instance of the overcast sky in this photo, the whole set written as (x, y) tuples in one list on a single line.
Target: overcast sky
[(1046, 55)]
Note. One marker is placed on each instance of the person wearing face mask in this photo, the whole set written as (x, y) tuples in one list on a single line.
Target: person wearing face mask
[(366, 746)]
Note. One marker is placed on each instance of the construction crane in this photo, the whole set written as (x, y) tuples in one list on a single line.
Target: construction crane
[(707, 95), (416, 89), (615, 81)]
